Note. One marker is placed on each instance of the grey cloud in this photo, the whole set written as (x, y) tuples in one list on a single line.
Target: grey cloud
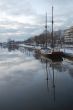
[(22, 31), (16, 7), (11, 9)]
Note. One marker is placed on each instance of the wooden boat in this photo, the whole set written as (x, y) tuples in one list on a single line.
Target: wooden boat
[(51, 53), (56, 55)]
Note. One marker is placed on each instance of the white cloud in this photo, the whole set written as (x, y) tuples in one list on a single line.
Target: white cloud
[(26, 18), (16, 7)]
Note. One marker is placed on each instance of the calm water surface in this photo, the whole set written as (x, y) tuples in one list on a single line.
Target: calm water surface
[(28, 82)]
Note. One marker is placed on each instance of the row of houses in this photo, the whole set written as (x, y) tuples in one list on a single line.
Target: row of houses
[(68, 36), (60, 37)]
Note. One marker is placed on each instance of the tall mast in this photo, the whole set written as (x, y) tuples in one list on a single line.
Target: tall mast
[(46, 29), (52, 28)]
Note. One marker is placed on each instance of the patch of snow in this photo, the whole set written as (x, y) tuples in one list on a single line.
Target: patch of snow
[(67, 50)]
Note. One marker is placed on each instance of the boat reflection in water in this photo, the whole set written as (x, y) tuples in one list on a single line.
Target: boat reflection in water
[(50, 67), (52, 79)]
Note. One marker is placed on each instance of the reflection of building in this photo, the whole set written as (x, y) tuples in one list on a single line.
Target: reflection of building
[(68, 36), (4, 45), (12, 45)]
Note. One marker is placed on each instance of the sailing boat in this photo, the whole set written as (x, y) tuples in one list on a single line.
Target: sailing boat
[(51, 53), (56, 54), (44, 51)]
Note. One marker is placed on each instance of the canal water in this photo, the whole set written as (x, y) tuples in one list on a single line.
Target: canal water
[(31, 82)]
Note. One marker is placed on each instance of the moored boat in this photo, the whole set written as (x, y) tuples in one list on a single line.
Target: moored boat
[(55, 55), (51, 53)]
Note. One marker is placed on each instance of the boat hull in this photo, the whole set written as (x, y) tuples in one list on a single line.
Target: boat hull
[(54, 55)]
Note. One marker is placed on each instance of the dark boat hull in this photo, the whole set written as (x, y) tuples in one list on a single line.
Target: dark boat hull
[(54, 55)]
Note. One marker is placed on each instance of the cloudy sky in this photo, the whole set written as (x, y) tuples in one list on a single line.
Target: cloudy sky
[(21, 19)]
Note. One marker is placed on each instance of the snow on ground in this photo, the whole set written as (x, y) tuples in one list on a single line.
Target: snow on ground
[(67, 50)]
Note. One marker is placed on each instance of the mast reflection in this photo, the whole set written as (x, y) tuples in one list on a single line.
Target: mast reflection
[(52, 78), (53, 82), (47, 74)]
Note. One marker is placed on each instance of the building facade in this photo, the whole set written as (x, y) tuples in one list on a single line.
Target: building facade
[(68, 36)]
